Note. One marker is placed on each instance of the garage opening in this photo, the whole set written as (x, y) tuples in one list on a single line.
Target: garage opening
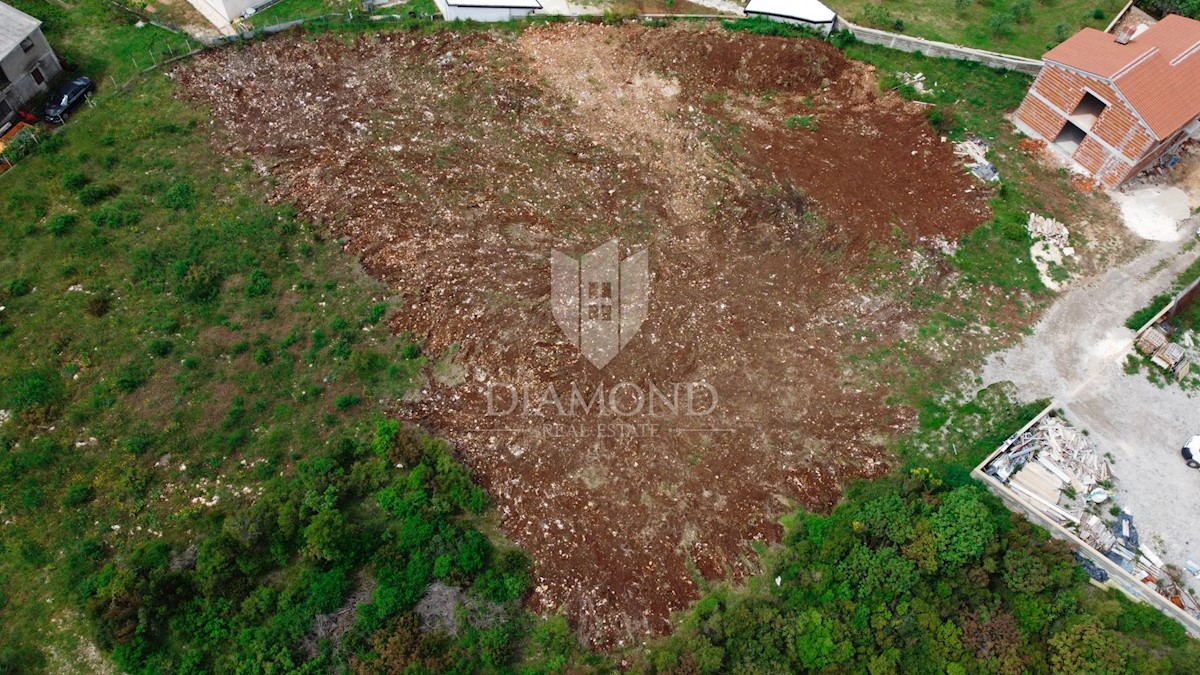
[(1087, 112), (1070, 137)]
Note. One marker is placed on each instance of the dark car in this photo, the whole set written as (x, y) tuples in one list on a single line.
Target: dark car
[(64, 100)]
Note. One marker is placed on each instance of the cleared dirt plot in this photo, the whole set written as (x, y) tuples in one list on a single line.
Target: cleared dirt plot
[(762, 175)]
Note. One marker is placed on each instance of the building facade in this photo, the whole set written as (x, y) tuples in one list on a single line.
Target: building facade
[(27, 63), (1115, 105)]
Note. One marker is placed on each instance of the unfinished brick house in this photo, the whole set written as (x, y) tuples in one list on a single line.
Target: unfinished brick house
[(1117, 104)]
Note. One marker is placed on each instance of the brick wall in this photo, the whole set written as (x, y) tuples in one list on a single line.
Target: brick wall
[(1116, 145)]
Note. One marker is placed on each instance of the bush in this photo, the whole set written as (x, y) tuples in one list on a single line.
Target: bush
[(18, 288), (77, 494), (132, 376), (91, 195), (201, 283), (1098, 14), (35, 388), (98, 305), (181, 196), (1001, 24), (160, 348), (346, 401), (259, 284), (1062, 32), (1140, 317), (115, 215), (74, 181), (62, 224), (842, 39), (1021, 11)]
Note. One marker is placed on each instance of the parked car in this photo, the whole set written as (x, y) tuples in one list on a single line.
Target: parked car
[(66, 97), (1191, 452)]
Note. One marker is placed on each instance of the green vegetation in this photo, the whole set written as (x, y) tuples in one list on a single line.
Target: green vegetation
[(922, 572), (194, 465), (1022, 27)]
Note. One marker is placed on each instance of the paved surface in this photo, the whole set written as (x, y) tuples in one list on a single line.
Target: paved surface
[(1075, 356)]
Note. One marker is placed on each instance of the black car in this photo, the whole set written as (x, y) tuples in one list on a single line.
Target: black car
[(65, 99)]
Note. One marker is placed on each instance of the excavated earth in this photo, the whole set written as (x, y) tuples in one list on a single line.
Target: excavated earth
[(765, 177)]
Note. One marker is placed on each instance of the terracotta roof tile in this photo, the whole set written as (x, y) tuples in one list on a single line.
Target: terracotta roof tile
[(1166, 95)]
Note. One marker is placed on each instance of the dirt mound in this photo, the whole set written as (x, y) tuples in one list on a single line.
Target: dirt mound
[(761, 187)]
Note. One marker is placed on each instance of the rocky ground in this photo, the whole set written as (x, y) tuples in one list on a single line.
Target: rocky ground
[(764, 177)]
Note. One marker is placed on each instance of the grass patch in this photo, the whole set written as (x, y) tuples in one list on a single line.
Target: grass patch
[(1022, 27)]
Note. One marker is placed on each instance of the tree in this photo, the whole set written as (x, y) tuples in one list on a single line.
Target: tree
[(1087, 648), (962, 527)]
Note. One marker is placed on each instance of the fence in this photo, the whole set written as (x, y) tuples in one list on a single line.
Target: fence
[(945, 50)]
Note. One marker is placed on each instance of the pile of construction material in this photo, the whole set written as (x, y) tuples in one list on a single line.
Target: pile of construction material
[(974, 150), (1049, 459), (1051, 231), (1165, 354)]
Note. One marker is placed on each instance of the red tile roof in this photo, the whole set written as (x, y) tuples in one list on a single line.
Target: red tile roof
[(1158, 71)]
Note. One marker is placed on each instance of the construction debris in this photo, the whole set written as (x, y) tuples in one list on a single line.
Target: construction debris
[(1058, 471), (974, 149), (1153, 342), (1051, 231), (917, 82)]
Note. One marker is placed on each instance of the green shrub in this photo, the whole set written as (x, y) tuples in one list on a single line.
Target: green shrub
[(1021, 11), (74, 181), (181, 196), (62, 224), (1143, 315), (160, 347), (132, 376), (1001, 24), (259, 284), (1098, 14), (201, 283), (115, 215), (34, 388), (98, 305), (91, 195), (18, 288), (263, 356), (77, 494), (346, 401)]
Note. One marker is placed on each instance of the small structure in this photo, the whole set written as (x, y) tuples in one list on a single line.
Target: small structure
[(808, 13), (486, 10), (1117, 104), (27, 63)]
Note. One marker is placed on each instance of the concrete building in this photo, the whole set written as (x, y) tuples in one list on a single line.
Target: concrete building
[(222, 12), (486, 10), (808, 13), (1117, 104), (27, 63)]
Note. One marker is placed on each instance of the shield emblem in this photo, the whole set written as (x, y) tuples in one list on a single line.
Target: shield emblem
[(600, 301)]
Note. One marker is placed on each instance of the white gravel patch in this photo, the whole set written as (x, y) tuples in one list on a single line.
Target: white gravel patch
[(1154, 213)]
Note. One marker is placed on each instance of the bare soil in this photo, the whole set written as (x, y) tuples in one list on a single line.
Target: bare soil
[(763, 175)]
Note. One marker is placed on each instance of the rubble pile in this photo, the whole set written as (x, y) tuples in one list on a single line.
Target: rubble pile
[(974, 150), (1051, 231)]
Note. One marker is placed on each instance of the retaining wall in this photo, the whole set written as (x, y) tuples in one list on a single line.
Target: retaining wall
[(907, 43)]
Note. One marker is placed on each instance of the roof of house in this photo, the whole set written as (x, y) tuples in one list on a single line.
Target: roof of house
[(811, 11), (1157, 71), (15, 26)]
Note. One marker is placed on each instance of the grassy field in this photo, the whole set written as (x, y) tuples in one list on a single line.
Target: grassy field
[(194, 461), (1022, 27)]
